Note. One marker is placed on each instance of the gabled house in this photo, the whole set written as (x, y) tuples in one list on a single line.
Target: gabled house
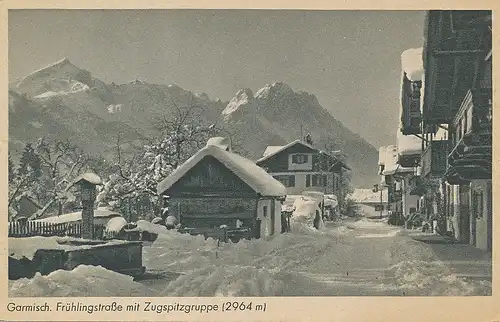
[(396, 178), (300, 167), (216, 187)]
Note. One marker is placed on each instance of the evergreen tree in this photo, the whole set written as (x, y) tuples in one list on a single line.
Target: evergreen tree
[(12, 170), (30, 163)]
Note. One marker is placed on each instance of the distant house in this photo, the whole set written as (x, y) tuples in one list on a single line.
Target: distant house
[(217, 187), (101, 217), (300, 167), (26, 208)]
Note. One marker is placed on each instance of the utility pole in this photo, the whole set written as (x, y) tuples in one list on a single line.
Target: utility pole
[(381, 188)]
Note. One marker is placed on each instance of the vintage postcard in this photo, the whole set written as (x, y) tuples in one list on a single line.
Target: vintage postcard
[(248, 163)]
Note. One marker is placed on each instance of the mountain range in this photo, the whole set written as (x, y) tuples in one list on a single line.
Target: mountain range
[(66, 101)]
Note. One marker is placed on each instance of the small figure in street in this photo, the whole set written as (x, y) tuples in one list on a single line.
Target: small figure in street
[(317, 219), (239, 223)]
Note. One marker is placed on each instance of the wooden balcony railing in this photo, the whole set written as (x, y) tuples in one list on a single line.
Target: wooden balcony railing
[(473, 121), (434, 159), (471, 155)]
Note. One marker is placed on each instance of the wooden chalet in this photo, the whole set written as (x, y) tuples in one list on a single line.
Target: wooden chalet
[(216, 187)]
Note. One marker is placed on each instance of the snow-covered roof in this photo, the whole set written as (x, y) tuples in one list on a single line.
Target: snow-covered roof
[(412, 63), (382, 151), (90, 177), (219, 141), (367, 195), (282, 148), (77, 216), (408, 144), (272, 149), (391, 162), (253, 175), (27, 246), (397, 169)]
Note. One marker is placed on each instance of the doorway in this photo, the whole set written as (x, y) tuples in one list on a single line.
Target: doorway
[(464, 208)]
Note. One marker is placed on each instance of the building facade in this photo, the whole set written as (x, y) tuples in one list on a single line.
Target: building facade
[(216, 187), (300, 167), (456, 123)]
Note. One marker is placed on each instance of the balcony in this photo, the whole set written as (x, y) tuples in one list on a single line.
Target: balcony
[(471, 155), (456, 41), (410, 103), (434, 159), (416, 186)]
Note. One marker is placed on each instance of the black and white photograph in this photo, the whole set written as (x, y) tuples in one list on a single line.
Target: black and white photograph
[(249, 153)]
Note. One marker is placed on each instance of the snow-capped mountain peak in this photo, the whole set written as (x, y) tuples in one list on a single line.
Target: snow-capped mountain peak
[(272, 90), (242, 97), (61, 76)]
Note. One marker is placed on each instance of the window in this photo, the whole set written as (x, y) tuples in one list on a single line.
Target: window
[(318, 180), (286, 180), (300, 158), (308, 180), (264, 211)]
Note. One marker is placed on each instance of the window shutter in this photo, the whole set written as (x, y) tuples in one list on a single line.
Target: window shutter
[(325, 180), (308, 180), (291, 179), (294, 158)]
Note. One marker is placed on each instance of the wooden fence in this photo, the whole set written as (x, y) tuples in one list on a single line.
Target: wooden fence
[(37, 228)]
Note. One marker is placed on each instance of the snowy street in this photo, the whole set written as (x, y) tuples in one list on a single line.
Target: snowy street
[(352, 258), (364, 257)]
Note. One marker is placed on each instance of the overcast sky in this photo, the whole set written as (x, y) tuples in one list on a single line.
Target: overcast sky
[(351, 60)]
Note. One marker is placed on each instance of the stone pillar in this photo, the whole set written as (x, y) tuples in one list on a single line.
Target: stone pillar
[(88, 183), (88, 198)]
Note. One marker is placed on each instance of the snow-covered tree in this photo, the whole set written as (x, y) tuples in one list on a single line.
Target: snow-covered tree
[(61, 163), (132, 185)]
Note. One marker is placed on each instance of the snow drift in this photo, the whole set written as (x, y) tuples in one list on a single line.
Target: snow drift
[(81, 281), (247, 268)]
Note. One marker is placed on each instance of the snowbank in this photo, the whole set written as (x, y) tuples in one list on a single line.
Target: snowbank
[(27, 247), (417, 271), (305, 208), (115, 224), (247, 268), (82, 281), (144, 225)]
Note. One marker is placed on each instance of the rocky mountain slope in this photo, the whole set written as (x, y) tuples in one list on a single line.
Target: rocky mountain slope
[(65, 101)]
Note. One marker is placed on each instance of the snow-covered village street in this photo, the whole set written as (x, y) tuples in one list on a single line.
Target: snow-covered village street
[(234, 159), (363, 257)]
